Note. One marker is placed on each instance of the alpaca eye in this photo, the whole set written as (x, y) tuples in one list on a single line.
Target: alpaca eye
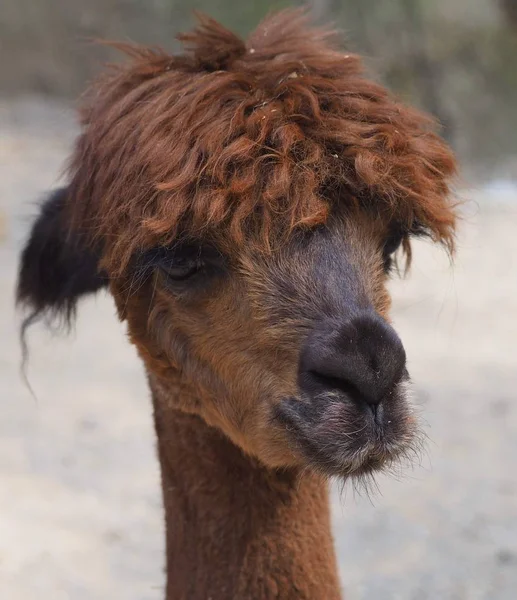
[(393, 242), (391, 245), (186, 266), (181, 269)]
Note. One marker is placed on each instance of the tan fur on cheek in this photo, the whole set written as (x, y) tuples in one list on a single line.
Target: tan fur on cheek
[(231, 388)]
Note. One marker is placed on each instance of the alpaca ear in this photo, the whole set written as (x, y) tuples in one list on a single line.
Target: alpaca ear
[(56, 269)]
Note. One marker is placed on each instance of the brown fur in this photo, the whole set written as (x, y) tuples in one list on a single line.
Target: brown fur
[(249, 140), (236, 529), (296, 170)]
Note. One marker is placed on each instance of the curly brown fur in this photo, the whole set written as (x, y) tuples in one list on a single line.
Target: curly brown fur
[(249, 141)]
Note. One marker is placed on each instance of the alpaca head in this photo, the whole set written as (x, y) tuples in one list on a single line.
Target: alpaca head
[(243, 202)]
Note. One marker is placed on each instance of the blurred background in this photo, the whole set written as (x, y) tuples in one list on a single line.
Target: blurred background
[(80, 506)]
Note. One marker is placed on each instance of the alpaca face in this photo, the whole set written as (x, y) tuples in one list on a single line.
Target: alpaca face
[(289, 353), (242, 201)]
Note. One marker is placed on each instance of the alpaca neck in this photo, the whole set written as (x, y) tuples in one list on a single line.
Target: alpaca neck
[(235, 529)]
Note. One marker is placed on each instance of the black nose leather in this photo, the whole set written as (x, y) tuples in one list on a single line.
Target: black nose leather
[(362, 357)]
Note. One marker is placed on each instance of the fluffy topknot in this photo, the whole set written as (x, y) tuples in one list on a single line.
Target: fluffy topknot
[(249, 140), (213, 47)]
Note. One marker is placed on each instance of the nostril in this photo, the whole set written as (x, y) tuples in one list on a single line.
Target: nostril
[(360, 391), (320, 382), (335, 383), (328, 383)]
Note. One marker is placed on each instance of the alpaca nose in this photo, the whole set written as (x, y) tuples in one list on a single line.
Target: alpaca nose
[(363, 357)]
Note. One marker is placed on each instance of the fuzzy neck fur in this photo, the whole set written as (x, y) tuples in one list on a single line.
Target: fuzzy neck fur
[(235, 529)]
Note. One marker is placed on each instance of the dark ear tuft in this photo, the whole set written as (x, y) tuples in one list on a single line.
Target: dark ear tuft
[(55, 271)]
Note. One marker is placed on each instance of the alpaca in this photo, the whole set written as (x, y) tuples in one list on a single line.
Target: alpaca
[(242, 202)]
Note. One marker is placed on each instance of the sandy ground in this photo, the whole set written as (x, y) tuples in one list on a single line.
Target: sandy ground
[(80, 514)]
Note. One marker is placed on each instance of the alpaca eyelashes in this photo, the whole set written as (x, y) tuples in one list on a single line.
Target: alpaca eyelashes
[(184, 264), (182, 269), (393, 242), (391, 245)]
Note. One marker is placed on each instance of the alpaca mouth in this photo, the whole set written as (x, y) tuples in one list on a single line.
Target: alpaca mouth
[(339, 437)]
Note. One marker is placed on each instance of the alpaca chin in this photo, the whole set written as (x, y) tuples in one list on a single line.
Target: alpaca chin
[(339, 437)]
